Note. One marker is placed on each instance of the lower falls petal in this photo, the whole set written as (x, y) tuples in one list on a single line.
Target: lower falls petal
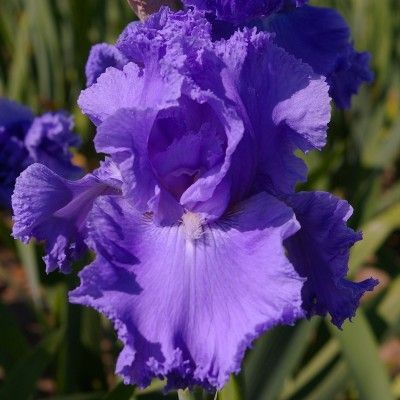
[(187, 300)]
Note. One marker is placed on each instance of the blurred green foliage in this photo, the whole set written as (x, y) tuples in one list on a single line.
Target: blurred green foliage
[(51, 349)]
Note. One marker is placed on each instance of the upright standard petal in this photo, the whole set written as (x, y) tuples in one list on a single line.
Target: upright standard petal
[(129, 88), (286, 104), (172, 89), (320, 37), (162, 109), (101, 57), (187, 300), (50, 208), (320, 252), (125, 137), (160, 32), (149, 152)]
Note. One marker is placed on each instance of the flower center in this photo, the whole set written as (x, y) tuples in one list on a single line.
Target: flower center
[(193, 225)]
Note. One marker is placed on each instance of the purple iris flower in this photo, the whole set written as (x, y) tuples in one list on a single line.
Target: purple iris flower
[(25, 139), (201, 242), (318, 36), (240, 11)]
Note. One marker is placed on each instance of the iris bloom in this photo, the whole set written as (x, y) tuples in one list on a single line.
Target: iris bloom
[(318, 36), (25, 139), (201, 242)]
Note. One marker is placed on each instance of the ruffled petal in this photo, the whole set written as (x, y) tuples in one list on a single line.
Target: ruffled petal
[(109, 174), (141, 41), (51, 208), (286, 104), (125, 136), (188, 300), (320, 252), (129, 88), (203, 193), (320, 37), (101, 57)]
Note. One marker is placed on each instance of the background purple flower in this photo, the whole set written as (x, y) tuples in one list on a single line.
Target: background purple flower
[(49, 140), (25, 139), (321, 38), (15, 120), (318, 36)]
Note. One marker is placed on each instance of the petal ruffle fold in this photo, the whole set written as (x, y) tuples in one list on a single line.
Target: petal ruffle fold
[(51, 208), (286, 104), (131, 87), (320, 253)]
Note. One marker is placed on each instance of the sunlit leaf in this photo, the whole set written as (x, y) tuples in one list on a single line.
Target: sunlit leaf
[(359, 349)]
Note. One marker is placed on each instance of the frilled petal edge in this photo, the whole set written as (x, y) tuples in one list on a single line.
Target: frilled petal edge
[(50, 208), (101, 57), (130, 87), (287, 104), (320, 252)]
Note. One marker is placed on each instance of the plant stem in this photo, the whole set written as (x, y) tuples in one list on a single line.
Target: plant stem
[(184, 395), (27, 256)]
